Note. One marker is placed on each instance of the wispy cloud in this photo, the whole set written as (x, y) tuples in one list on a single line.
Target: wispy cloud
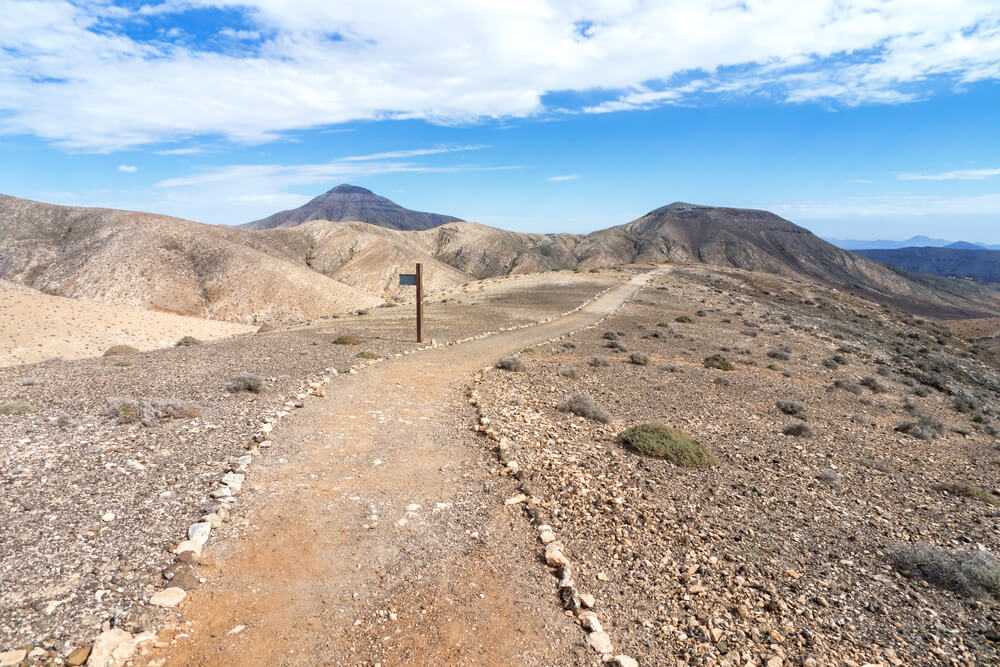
[(901, 206), (193, 150), (78, 75), (393, 155), (566, 177), (129, 168), (957, 175)]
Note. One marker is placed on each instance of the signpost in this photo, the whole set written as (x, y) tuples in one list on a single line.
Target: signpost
[(416, 279)]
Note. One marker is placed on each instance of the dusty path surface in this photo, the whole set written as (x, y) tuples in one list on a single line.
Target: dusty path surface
[(377, 533)]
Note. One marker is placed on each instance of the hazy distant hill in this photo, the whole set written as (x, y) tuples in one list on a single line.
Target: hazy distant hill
[(912, 242), (979, 264), (353, 204)]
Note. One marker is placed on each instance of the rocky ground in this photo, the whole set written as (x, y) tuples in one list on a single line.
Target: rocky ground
[(791, 549), (93, 501)]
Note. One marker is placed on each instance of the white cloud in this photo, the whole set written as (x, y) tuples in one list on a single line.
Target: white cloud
[(70, 74), (180, 151), (130, 168), (957, 175), (891, 206), (389, 155), (566, 177)]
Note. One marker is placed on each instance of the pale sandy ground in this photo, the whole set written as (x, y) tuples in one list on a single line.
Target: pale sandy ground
[(35, 327)]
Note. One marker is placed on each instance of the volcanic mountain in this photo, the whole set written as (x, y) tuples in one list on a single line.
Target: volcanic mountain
[(351, 203)]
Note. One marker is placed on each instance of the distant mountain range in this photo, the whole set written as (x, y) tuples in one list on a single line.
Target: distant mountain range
[(350, 203), (913, 242), (953, 261), (293, 266)]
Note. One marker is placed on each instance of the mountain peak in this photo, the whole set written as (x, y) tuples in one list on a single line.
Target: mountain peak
[(352, 203)]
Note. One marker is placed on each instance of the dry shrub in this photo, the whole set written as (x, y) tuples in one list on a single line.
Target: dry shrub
[(246, 382), (584, 405), (798, 429), (970, 572), (511, 364), (148, 412), (187, 341), (639, 358), (598, 361), (967, 491), (568, 372), (792, 408), (118, 350), (347, 340), (16, 407), (720, 362), (924, 428)]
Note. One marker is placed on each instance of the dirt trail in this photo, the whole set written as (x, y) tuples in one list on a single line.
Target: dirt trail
[(378, 534)]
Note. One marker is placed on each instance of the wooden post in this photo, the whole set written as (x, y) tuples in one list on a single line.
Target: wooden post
[(420, 303)]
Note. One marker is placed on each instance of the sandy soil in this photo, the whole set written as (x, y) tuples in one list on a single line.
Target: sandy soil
[(36, 326)]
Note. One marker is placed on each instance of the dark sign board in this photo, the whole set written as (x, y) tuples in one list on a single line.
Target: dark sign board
[(407, 279)]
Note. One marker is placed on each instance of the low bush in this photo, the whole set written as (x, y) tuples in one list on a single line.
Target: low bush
[(668, 443), (568, 344), (874, 385), (584, 405), (16, 407), (723, 381), (610, 335), (684, 319), (568, 372), (187, 341), (798, 429), (924, 428), (780, 355), (828, 476), (347, 340), (830, 363), (671, 368), (598, 361), (792, 408), (148, 412), (264, 328), (965, 404), (31, 381), (846, 385), (970, 572), (246, 382), (720, 362), (511, 364), (366, 354), (639, 358), (118, 350), (881, 466), (615, 345), (967, 491)]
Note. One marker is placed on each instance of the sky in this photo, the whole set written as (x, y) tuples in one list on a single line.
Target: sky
[(854, 118)]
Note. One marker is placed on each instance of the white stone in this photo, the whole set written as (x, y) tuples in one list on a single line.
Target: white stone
[(514, 500), (600, 642), (108, 516), (199, 532), (234, 481), (112, 649), (188, 551), (587, 600), (168, 597), (625, 661), (14, 657), (412, 507), (592, 624), (547, 537), (554, 555)]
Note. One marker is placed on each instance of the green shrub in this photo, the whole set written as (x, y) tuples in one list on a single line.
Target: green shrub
[(347, 340), (118, 350), (684, 319), (583, 405), (16, 407), (970, 572), (511, 364), (720, 362), (246, 382), (967, 491), (365, 354), (668, 443)]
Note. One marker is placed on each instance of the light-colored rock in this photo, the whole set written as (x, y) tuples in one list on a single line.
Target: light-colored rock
[(625, 661), (199, 532), (78, 656), (554, 555), (587, 600), (13, 657), (168, 597), (234, 481), (600, 642), (108, 517), (591, 623), (514, 500), (188, 551), (112, 649), (547, 537)]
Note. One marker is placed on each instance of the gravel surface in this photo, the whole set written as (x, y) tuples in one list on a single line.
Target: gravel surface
[(92, 504), (783, 552)]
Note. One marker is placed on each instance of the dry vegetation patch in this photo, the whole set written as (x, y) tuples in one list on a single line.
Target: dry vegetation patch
[(665, 442)]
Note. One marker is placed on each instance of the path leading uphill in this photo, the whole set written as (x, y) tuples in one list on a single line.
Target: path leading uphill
[(376, 532)]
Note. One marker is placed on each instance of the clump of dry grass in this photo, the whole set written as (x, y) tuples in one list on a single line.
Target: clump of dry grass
[(639, 358), (347, 340), (568, 372), (511, 364), (793, 408), (967, 491), (874, 385), (16, 407), (118, 350), (598, 361), (246, 382), (924, 427), (970, 572), (846, 385), (584, 405), (798, 429), (187, 341), (668, 443), (148, 412), (720, 362)]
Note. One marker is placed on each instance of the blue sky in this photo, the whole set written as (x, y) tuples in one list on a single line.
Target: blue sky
[(529, 115)]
